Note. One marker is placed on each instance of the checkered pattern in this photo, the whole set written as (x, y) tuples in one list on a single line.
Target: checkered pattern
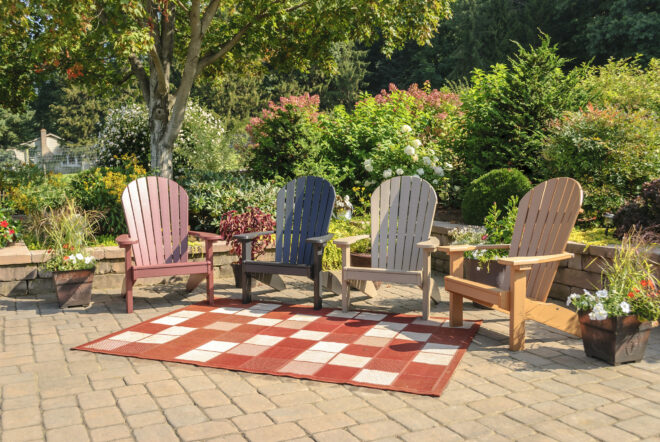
[(396, 352)]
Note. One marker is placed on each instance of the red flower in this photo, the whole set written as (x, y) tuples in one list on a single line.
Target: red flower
[(630, 295), (644, 283), (65, 258), (484, 238), (4, 223), (11, 231)]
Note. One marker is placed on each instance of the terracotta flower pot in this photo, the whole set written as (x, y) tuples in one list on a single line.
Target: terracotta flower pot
[(74, 287), (615, 340), (493, 275)]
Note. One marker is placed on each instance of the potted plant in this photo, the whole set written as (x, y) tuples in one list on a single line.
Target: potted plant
[(252, 220), (67, 232), (617, 320), (481, 265)]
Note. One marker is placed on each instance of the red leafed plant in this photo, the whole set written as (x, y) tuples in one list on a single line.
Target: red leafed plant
[(253, 220)]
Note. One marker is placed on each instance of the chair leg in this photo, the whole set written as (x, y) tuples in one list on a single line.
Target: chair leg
[(517, 300), (345, 294), (246, 284), (129, 293), (455, 310), (426, 299), (210, 285), (316, 273)]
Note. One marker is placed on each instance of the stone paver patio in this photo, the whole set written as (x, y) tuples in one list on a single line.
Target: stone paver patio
[(551, 391)]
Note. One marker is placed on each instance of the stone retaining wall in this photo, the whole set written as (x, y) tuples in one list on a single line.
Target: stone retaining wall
[(583, 271), (21, 271)]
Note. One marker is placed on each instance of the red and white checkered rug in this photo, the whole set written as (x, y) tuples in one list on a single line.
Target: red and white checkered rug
[(393, 352)]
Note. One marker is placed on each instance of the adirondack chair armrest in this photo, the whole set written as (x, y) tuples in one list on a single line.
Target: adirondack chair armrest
[(205, 236), (347, 241), (518, 261), (245, 237), (320, 239), (430, 243), (468, 248), (124, 241)]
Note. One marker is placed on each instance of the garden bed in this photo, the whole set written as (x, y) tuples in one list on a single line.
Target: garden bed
[(583, 271)]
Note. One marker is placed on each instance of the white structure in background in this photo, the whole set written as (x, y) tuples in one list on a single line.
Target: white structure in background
[(49, 152)]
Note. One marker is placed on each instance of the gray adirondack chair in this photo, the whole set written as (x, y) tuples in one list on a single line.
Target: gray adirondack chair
[(304, 208), (402, 210), (546, 216), (156, 211)]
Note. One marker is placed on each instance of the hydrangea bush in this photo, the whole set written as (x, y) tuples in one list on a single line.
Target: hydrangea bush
[(397, 132), (200, 144)]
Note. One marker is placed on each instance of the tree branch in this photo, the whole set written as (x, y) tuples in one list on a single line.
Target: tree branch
[(212, 58), (143, 81), (160, 72), (211, 9), (188, 76)]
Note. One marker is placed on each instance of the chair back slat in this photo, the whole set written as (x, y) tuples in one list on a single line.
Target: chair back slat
[(156, 211), (304, 210), (546, 216), (402, 210), (284, 221)]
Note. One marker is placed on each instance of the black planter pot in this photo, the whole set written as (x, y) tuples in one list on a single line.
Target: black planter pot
[(236, 267), (74, 287), (493, 275), (615, 340)]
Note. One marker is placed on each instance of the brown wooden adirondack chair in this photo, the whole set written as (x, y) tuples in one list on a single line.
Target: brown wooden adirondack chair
[(402, 211), (546, 216), (156, 211)]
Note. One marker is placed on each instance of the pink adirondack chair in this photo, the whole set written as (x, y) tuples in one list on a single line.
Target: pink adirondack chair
[(156, 211)]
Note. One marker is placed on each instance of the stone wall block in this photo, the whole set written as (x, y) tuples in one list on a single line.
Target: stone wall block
[(595, 264), (577, 278), (13, 288), (574, 263), (41, 286), (18, 273), (559, 291), (113, 253)]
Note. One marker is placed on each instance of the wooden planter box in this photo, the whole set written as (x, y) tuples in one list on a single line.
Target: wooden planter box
[(615, 340), (363, 260), (494, 275), (74, 287)]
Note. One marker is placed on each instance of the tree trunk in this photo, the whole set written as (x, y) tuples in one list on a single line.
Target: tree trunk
[(161, 147)]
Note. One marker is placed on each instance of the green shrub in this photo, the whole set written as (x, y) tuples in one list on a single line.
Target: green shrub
[(610, 152), (372, 139), (100, 190), (507, 110), (211, 195), (343, 228), (287, 142), (34, 197), (124, 132), (626, 84), (497, 186)]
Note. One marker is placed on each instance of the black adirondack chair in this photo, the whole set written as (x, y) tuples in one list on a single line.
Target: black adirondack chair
[(304, 207)]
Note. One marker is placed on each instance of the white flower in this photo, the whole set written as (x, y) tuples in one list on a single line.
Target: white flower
[(367, 183), (416, 143), (409, 150), (625, 307), (387, 173), (571, 297), (72, 258), (598, 313), (426, 160), (89, 259), (405, 128), (420, 171), (435, 181), (448, 166), (436, 159), (369, 167), (457, 188), (399, 171), (80, 256), (438, 171), (601, 293)]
